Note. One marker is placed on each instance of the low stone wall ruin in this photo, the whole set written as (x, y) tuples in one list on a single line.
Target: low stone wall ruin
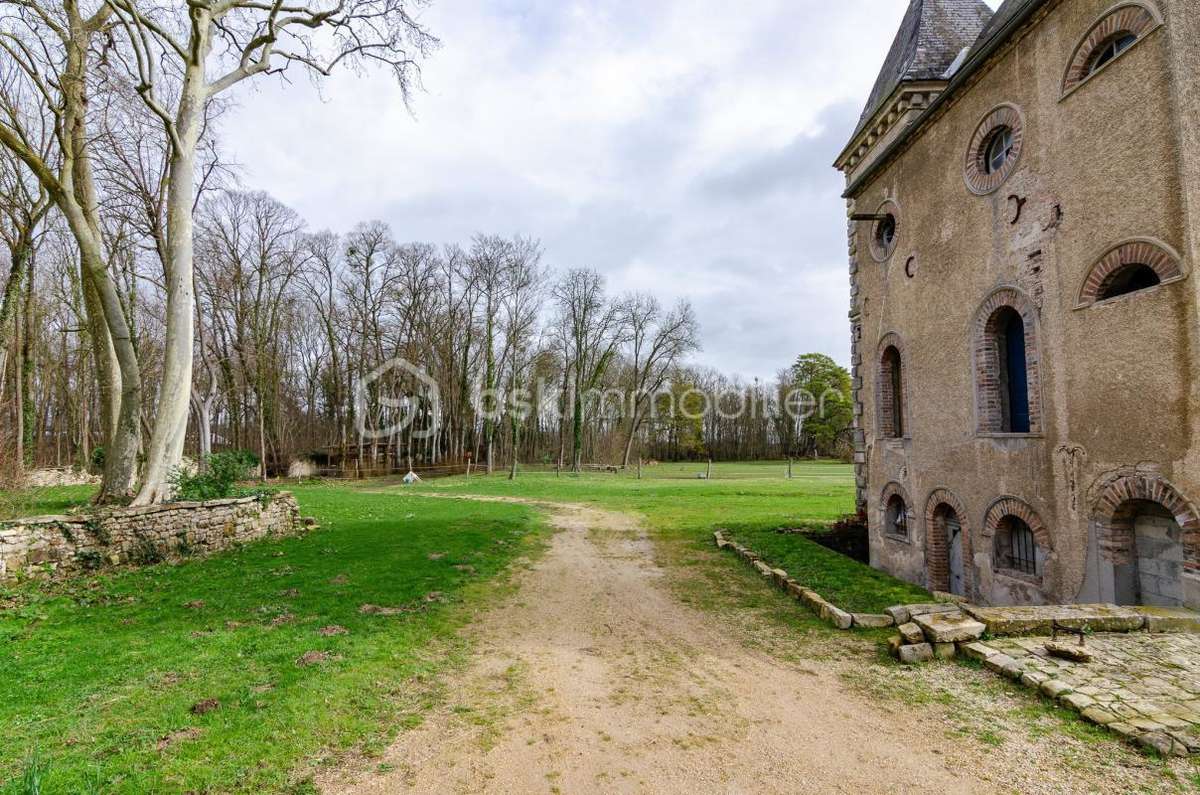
[(66, 545)]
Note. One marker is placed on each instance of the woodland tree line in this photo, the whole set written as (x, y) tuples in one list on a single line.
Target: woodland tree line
[(152, 308)]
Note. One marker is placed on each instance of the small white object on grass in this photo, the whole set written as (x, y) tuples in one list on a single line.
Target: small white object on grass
[(412, 477)]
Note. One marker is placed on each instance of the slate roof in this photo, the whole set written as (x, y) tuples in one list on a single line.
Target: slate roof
[(1003, 15), (931, 35)]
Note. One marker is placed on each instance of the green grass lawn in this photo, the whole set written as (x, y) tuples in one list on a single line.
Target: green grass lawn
[(751, 500), (50, 500), (848, 584), (99, 678)]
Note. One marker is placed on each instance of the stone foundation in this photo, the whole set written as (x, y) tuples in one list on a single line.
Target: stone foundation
[(67, 545)]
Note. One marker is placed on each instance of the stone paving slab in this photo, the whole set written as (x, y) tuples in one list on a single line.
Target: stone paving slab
[(1143, 686), (1038, 619), (949, 627)]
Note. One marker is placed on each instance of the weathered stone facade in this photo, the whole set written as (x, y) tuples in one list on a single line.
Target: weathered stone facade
[(65, 545), (1038, 301)]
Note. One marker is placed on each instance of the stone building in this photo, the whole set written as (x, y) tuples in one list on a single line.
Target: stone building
[(1023, 191)]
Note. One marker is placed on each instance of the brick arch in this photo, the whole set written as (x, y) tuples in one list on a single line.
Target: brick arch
[(894, 489), (1140, 251), (989, 408), (1113, 516), (1135, 16), (884, 386), (937, 541), (1014, 506)]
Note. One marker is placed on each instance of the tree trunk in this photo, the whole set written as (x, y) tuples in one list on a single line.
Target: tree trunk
[(577, 430), (29, 420), (170, 426)]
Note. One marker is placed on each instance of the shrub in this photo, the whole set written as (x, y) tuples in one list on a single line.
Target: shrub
[(99, 456), (219, 478)]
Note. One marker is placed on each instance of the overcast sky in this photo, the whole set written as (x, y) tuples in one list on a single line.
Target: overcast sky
[(681, 147)]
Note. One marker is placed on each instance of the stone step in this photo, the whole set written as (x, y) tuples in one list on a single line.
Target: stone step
[(1170, 619), (1039, 619)]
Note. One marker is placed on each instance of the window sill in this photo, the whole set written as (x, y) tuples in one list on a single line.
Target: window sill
[(1017, 576), (1120, 299), (899, 539), (989, 435)]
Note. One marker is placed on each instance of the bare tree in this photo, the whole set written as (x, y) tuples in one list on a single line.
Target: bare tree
[(45, 85), (658, 344), (593, 331), (234, 40)]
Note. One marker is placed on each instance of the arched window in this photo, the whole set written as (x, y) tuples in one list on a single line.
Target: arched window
[(1110, 49), (1129, 279), (1020, 543), (1016, 549), (891, 393), (896, 517), (1007, 384), (1129, 268), (1120, 28)]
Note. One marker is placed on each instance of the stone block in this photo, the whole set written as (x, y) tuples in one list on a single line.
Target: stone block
[(916, 653), (1170, 619), (1033, 679), (911, 633), (899, 614), (894, 643), (997, 662), (795, 589), (1055, 688), (929, 608), (762, 568), (1100, 715), (1163, 743), (836, 616), (1077, 701), (944, 651), (1068, 651), (872, 620), (977, 651), (1039, 619), (949, 627), (780, 577)]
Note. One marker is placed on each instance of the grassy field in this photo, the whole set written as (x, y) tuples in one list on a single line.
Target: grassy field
[(100, 680), (751, 500)]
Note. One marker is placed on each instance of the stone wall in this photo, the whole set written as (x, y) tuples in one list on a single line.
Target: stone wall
[(67, 545)]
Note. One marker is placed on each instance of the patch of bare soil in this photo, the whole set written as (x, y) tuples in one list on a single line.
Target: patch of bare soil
[(595, 677)]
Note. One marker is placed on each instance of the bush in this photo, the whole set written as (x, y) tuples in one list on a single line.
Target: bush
[(99, 456), (219, 478)]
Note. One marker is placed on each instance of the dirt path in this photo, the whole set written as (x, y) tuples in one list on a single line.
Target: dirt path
[(595, 678)]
